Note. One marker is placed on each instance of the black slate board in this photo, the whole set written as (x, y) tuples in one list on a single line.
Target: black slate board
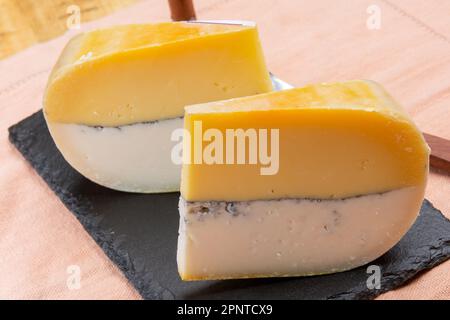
[(138, 232)]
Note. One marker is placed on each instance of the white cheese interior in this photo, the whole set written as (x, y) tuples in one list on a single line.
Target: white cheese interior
[(291, 237), (133, 158)]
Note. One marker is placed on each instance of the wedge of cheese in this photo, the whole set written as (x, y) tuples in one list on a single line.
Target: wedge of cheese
[(116, 95), (305, 181)]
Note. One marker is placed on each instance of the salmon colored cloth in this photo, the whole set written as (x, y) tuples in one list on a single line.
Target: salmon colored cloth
[(304, 41)]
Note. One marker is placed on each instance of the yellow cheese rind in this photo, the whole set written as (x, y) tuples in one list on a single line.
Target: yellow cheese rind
[(140, 73), (336, 141)]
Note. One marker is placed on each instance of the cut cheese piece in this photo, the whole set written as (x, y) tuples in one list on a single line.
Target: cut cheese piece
[(349, 183), (143, 76)]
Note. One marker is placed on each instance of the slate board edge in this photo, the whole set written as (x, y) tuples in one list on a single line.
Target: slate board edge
[(106, 242), (119, 257), (436, 258)]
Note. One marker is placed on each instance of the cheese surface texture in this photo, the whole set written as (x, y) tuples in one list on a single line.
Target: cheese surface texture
[(349, 183), (130, 158), (291, 237), (144, 75)]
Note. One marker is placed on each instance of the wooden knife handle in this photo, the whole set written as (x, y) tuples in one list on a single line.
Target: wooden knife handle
[(182, 10), (440, 152)]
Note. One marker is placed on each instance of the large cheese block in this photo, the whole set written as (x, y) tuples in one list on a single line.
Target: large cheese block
[(305, 181), (116, 95)]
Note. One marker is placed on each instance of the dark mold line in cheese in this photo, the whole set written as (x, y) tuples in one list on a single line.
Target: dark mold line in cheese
[(230, 206), (99, 128)]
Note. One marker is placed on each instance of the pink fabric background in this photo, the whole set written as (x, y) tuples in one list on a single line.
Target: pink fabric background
[(304, 41)]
